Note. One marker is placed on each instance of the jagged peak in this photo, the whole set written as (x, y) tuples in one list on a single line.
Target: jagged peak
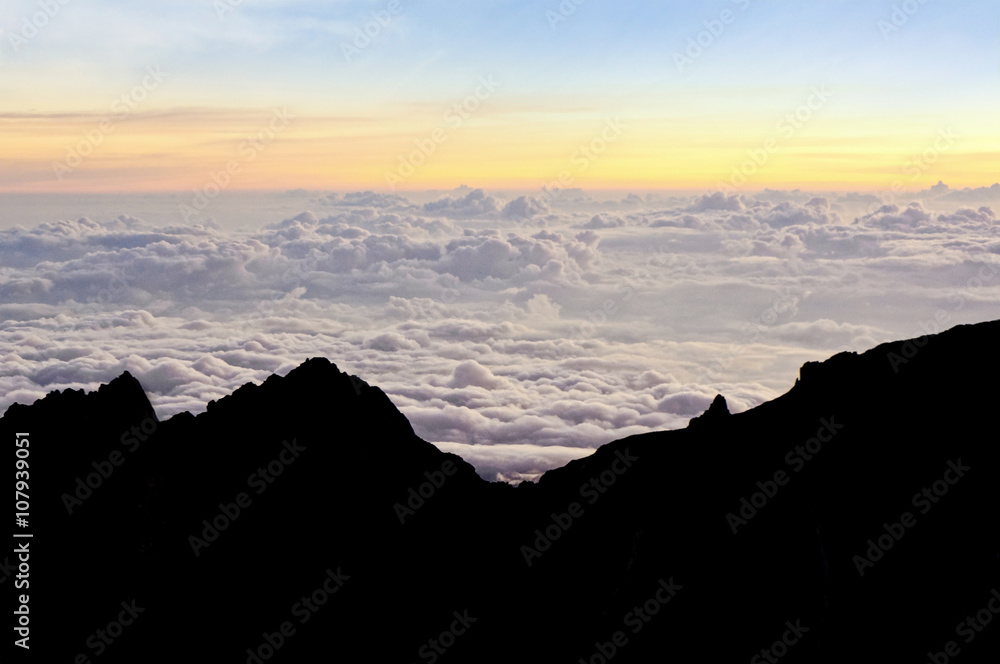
[(718, 411)]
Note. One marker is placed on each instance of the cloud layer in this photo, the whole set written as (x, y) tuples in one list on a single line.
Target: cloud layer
[(520, 331)]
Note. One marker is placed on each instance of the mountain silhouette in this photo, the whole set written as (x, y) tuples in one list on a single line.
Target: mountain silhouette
[(852, 519)]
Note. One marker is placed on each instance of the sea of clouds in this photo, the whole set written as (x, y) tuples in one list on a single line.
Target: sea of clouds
[(519, 331)]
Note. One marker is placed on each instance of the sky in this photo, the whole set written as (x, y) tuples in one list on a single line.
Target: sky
[(109, 96), (539, 227)]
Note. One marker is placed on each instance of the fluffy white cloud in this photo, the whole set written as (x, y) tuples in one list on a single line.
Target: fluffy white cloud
[(520, 334), (475, 203), (893, 217), (525, 207), (816, 211), (718, 201)]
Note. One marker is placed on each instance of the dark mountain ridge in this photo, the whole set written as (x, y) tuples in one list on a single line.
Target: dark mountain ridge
[(710, 543)]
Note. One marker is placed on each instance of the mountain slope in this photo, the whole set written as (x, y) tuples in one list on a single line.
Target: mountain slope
[(308, 502)]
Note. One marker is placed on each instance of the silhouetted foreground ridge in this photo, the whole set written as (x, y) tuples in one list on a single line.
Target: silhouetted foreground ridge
[(853, 519)]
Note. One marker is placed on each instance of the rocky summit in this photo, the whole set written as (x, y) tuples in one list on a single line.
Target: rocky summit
[(853, 519)]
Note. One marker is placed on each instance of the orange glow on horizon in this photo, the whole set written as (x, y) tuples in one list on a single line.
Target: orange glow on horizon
[(269, 150)]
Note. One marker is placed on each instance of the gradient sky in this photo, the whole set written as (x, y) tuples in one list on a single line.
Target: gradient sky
[(228, 72)]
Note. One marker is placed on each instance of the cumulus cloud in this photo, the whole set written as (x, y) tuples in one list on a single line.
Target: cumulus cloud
[(969, 194), (978, 194), (893, 217), (718, 201), (599, 221), (475, 203), (471, 373), (520, 334), (485, 255), (525, 207), (983, 215), (816, 211)]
